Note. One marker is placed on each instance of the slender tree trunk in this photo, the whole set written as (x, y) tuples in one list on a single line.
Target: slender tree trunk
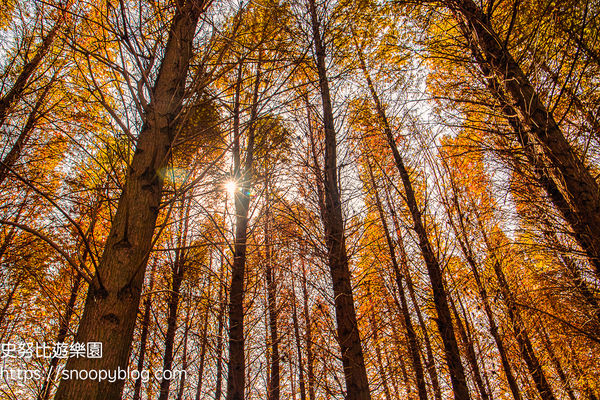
[(29, 69), (357, 384), (566, 171), (113, 297), (236, 377), (137, 388), (301, 379), (470, 350), (525, 345), (413, 343), (184, 357), (440, 297), (465, 245), (178, 271), (203, 348), (15, 152), (63, 331), (309, 338), (273, 381)]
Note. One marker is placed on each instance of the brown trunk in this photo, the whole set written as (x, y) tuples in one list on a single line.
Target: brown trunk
[(413, 343), (273, 379), (184, 356), (567, 173), (15, 152), (357, 384), (444, 317), (521, 334), (113, 297), (203, 346), (378, 357), (465, 246), (236, 377), (144, 334), (301, 379), (178, 271), (463, 331), (63, 331), (309, 340), (17, 89)]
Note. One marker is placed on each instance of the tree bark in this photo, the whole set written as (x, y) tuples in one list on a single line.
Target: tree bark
[(357, 384), (566, 171), (113, 297), (236, 377)]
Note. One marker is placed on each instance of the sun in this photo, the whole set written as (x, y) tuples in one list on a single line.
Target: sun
[(231, 187)]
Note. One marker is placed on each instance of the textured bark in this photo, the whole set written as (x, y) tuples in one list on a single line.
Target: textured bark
[(113, 297), (566, 171), (357, 385)]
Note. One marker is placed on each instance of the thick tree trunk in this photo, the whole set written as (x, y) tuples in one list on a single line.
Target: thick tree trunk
[(357, 384), (567, 173), (113, 297)]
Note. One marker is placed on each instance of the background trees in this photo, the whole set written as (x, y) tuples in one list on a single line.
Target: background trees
[(325, 199)]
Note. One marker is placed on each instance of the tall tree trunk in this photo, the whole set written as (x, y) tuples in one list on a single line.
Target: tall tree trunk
[(521, 334), (30, 67), (203, 348), (301, 378), (273, 381), (113, 297), (466, 248), (137, 388), (236, 376), (413, 344), (357, 384), (470, 350), (310, 358), (567, 173), (440, 297), (15, 152), (178, 271)]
